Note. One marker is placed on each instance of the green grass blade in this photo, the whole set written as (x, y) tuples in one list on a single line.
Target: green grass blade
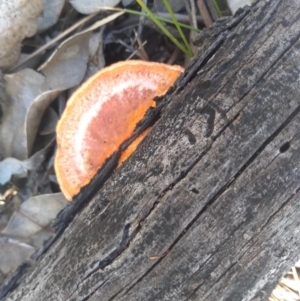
[(187, 45), (163, 28)]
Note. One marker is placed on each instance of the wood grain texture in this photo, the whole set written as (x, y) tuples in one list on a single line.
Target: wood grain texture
[(208, 206)]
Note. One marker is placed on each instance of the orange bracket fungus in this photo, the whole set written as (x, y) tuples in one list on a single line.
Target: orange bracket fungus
[(102, 114)]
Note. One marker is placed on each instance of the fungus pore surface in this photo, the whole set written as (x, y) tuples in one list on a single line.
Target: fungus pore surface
[(102, 114)]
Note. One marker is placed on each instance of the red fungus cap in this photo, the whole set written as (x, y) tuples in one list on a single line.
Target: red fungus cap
[(102, 114)]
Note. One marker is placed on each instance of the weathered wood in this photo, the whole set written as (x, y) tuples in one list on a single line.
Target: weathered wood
[(208, 206)]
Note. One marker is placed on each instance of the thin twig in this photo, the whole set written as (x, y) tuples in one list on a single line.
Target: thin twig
[(192, 14), (208, 21), (173, 56), (136, 52), (141, 47), (212, 10)]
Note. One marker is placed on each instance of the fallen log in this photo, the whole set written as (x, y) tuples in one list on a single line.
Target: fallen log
[(208, 206)]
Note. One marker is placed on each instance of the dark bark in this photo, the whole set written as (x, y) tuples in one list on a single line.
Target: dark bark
[(208, 206)]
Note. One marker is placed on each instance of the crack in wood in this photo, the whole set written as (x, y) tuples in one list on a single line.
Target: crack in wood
[(86, 298), (103, 263)]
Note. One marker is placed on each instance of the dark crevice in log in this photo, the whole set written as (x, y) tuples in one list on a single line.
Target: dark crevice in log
[(92, 293), (279, 209), (112, 256), (115, 295), (285, 147)]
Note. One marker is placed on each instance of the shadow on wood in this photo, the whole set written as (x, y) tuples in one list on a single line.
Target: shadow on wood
[(208, 206)]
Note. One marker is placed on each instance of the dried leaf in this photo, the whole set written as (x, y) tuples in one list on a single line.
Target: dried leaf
[(13, 253), (67, 65), (21, 117), (13, 167), (97, 60), (52, 10), (92, 6), (22, 87), (18, 20), (10, 167), (34, 115), (35, 214), (36, 160), (48, 122)]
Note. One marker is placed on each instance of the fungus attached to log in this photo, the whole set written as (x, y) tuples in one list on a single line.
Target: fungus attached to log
[(102, 114)]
